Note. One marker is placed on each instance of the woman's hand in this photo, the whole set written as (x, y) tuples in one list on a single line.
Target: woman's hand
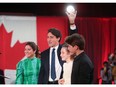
[(61, 81)]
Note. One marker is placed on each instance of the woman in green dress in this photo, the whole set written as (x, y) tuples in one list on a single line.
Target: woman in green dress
[(27, 70)]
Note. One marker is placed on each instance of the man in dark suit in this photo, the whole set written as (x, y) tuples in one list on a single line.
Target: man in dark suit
[(82, 70), (53, 39)]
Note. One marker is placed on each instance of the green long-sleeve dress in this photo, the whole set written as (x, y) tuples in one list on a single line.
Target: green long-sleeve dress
[(27, 71)]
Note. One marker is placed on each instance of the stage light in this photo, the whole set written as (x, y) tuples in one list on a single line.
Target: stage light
[(70, 9)]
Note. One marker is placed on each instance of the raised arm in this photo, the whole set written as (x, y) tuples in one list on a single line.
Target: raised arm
[(72, 25)]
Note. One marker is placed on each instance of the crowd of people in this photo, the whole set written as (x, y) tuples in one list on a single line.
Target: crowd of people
[(108, 72)]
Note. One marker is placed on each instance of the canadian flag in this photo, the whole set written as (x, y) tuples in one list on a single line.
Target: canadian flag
[(15, 31)]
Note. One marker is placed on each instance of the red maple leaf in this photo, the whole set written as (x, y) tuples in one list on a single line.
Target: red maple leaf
[(9, 56)]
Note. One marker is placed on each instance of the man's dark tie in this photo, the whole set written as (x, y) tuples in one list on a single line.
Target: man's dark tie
[(53, 72)]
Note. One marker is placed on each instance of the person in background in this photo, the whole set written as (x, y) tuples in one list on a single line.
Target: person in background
[(114, 66), (27, 70), (49, 74), (106, 73), (67, 66), (112, 57), (114, 72), (112, 62), (2, 78), (82, 70)]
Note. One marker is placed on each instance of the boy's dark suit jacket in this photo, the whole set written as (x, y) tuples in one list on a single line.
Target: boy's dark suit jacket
[(82, 71)]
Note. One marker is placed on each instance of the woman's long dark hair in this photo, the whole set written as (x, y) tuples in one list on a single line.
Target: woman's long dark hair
[(34, 47)]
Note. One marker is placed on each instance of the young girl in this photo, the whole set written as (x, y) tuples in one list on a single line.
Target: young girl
[(28, 69), (67, 67)]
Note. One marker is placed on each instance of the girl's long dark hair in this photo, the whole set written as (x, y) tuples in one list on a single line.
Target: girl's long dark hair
[(66, 46)]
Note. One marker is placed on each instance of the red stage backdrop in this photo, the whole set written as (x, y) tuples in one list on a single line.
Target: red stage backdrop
[(15, 31), (100, 39)]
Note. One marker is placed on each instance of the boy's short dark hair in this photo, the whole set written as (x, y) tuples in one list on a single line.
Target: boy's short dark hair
[(76, 39)]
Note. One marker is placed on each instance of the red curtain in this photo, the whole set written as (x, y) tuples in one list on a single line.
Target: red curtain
[(100, 39)]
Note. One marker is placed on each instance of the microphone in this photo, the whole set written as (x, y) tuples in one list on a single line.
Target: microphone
[(4, 77)]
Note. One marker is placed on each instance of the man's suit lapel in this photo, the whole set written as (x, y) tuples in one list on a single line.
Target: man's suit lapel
[(58, 53), (47, 62)]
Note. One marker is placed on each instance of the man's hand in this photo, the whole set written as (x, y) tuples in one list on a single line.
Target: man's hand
[(72, 17)]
